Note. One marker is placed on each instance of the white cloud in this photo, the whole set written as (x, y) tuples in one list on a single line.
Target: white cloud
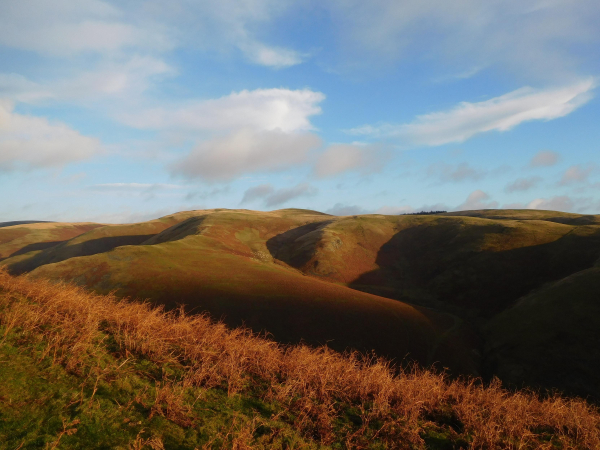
[(497, 114), (341, 209), (544, 158), (522, 184), (477, 200), (275, 197), (123, 80), (261, 109), (17, 88), (339, 158), (576, 174), (257, 192), (34, 142), (534, 37), (559, 203), (244, 151), (135, 186), (69, 27), (395, 210), (275, 57), (454, 173)]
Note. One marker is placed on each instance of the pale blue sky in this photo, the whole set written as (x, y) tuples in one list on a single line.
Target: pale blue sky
[(126, 111)]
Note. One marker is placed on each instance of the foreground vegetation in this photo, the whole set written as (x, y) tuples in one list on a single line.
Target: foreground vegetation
[(79, 370)]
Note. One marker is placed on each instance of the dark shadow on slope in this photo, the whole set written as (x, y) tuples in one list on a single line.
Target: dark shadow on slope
[(63, 251), (296, 247), (177, 232), (35, 247), (440, 266)]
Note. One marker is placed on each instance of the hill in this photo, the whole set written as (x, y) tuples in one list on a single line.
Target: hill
[(86, 371), (219, 262), (18, 238), (436, 288)]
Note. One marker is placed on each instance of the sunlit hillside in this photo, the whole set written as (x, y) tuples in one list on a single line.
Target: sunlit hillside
[(507, 293)]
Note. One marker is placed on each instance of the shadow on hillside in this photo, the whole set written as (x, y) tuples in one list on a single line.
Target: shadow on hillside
[(63, 251), (177, 232), (35, 247), (442, 267), (294, 247)]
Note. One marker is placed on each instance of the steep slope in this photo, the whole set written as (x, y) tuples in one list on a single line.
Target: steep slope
[(473, 266), (25, 237), (551, 338), (219, 262)]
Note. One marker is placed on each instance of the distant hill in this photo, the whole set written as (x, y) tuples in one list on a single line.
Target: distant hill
[(446, 288)]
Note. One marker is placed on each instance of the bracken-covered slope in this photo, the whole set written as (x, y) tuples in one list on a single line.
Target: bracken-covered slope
[(430, 287)]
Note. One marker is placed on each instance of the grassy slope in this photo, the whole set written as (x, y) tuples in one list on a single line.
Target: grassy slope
[(219, 263), (475, 264), (82, 371), (451, 263), (551, 337), (20, 239), (98, 239)]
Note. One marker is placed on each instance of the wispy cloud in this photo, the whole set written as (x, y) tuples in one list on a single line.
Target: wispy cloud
[(340, 158), (497, 114), (276, 197), (454, 173), (576, 174), (522, 184), (544, 158), (477, 200)]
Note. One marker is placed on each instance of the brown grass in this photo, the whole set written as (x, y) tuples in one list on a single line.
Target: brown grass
[(315, 387)]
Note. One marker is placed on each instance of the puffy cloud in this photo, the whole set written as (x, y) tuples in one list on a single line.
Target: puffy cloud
[(339, 158), (275, 197), (34, 142), (497, 114), (253, 131), (575, 174), (454, 173), (245, 151), (477, 200), (257, 192), (522, 184), (544, 158), (261, 109)]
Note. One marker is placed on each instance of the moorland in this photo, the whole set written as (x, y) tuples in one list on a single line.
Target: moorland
[(502, 296)]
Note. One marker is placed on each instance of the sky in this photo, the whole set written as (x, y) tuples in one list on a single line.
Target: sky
[(126, 111)]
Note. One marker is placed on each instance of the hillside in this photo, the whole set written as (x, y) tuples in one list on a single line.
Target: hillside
[(18, 238), (443, 288), (86, 371)]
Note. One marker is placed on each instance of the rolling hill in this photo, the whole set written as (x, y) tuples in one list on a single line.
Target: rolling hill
[(446, 288)]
